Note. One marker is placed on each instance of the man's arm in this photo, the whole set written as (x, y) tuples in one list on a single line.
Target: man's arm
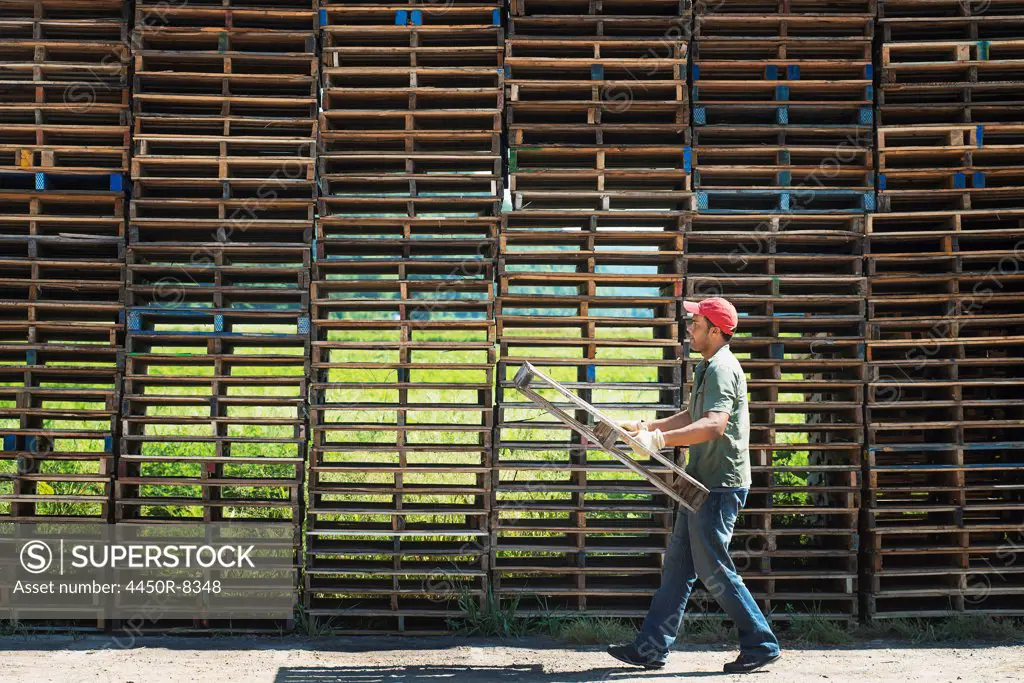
[(709, 427), (673, 422)]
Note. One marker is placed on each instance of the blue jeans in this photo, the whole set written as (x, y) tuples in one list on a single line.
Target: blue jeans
[(700, 547)]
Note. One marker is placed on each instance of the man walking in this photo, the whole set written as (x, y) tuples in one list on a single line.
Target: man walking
[(716, 427)]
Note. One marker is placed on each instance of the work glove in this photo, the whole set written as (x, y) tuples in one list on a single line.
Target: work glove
[(654, 441), (633, 426)]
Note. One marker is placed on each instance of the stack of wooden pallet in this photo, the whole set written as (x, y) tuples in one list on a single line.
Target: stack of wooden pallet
[(213, 416), (590, 279), (796, 281), (782, 106), (782, 96), (945, 464), (403, 313), (63, 153)]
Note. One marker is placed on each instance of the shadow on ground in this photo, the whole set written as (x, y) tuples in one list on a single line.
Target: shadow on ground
[(533, 673)]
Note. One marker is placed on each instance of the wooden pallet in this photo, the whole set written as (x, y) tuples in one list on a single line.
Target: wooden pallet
[(64, 149), (608, 8), (782, 50), (774, 230), (191, 445), (412, 16), (833, 22), (956, 195), (736, 167), (886, 227), (954, 25), (208, 216), (950, 148), (61, 182), (467, 240), (259, 226), (757, 200), (592, 26), (447, 45), (253, 18), (381, 46), (269, 277), (59, 445)]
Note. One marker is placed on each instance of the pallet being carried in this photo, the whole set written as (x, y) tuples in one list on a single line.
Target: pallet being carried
[(689, 492)]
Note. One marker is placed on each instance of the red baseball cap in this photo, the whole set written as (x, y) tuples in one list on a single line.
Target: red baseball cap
[(717, 310)]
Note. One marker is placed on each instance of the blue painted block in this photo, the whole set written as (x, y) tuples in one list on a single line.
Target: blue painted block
[(695, 71), (323, 17), (959, 180), (793, 72), (881, 181), (10, 442), (134, 321), (785, 178), (218, 323), (31, 357), (869, 92), (979, 136), (687, 159), (40, 181), (116, 182), (702, 201), (869, 71), (416, 17), (784, 201), (869, 201), (771, 72), (108, 444), (781, 93), (32, 444), (597, 72), (782, 115), (983, 46), (700, 116), (591, 373), (695, 93), (978, 179), (777, 351), (496, 17), (865, 116), (785, 157), (315, 257), (304, 324), (508, 71), (401, 17)]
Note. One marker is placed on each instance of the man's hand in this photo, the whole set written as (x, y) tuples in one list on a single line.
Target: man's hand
[(654, 441)]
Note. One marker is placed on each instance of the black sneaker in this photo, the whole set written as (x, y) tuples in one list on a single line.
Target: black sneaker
[(630, 655), (744, 664)]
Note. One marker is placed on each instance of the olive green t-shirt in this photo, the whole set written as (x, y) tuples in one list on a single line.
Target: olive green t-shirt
[(720, 385)]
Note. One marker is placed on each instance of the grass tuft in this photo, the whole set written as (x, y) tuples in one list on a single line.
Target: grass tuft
[(959, 628), (817, 629), (594, 631), (706, 631), (494, 618)]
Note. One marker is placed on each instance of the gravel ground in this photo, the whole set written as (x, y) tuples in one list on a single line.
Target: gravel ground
[(96, 659)]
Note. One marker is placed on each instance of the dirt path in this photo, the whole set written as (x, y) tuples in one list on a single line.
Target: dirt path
[(436, 660)]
